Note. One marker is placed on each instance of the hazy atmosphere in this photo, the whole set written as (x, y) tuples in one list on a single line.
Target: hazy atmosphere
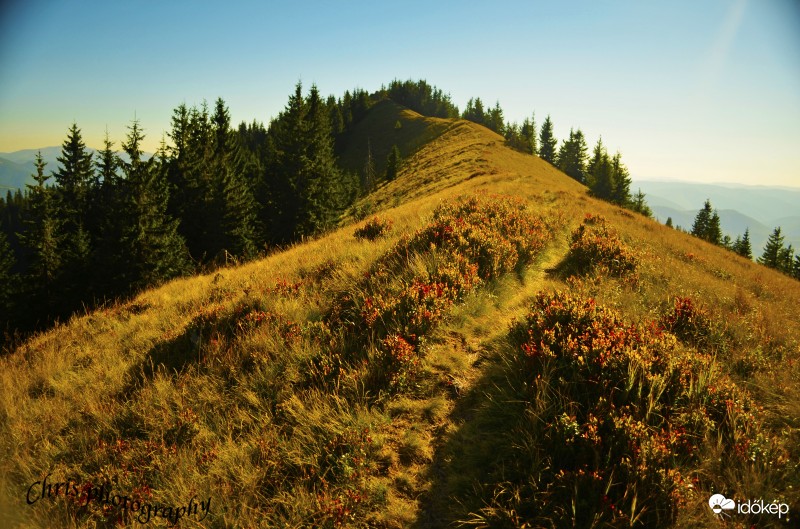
[(706, 92)]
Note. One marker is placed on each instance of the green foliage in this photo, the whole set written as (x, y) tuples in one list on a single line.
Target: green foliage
[(393, 163), (742, 245), (616, 420), (547, 142), (706, 225), (421, 97), (373, 229), (597, 246), (8, 281), (151, 250), (572, 156)]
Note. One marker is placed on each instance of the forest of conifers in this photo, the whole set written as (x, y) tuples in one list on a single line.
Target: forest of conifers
[(106, 224)]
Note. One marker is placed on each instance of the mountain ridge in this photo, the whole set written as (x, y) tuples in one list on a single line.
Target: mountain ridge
[(355, 380)]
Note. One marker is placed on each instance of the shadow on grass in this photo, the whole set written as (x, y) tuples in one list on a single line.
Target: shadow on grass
[(469, 461)]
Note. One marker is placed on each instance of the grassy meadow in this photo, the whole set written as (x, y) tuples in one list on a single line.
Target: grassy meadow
[(480, 344)]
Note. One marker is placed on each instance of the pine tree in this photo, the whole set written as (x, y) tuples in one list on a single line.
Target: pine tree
[(772, 250), (786, 259), (621, 192), (74, 179), (528, 133), (368, 176), (393, 163), (324, 195), (639, 205), (40, 238), (742, 245), (572, 156), (8, 282), (669, 222), (239, 221), (151, 248), (796, 267), (706, 224), (547, 142), (495, 120), (474, 111), (600, 172)]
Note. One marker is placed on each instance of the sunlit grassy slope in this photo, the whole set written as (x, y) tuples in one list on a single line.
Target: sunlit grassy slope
[(349, 382)]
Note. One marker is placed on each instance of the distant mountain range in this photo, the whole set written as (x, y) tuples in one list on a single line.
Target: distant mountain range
[(17, 168), (759, 208)]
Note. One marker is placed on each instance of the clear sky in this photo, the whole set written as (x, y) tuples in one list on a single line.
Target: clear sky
[(692, 90)]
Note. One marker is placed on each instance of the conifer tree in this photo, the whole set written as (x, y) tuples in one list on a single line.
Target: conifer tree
[(40, 238), (572, 156), (547, 142), (707, 225), (742, 245), (600, 172), (151, 248), (475, 112), (669, 222), (8, 282), (323, 191), (639, 205), (393, 163), (786, 259), (621, 192), (74, 190), (368, 176), (796, 267), (239, 222), (528, 133), (772, 250)]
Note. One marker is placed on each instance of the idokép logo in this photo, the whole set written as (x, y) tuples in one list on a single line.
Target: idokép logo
[(719, 504)]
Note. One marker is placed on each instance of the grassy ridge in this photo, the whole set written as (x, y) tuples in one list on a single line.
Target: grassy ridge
[(378, 380)]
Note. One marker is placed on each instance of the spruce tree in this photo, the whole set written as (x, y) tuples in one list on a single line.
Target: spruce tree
[(786, 259), (639, 205), (600, 172), (669, 222), (239, 221), (742, 245), (621, 192), (151, 248), (572, 156), (528, 133), (393, 163), (547, 142), (40, 238), (73, 192), (702, 227), (772, 250), (8, 282)]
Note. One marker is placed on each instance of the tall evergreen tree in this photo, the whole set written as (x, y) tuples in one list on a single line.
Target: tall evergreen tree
[(547, 142), (572, 156), (786, 259), (393, 163), (600, 172), (707, 225), (151, 248), (239, 220), (742, 245), (8, 283), (74, 179), (621, 192), (772, 250), (669, 222), (639, 205), (528, 133), (40, 238)]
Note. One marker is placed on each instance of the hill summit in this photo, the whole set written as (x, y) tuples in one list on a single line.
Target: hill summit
[(479, 343)]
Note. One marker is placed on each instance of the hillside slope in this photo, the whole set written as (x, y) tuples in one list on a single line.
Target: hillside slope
[(380, 383)]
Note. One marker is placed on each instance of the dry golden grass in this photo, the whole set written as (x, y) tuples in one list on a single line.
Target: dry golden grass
[(166, 390)]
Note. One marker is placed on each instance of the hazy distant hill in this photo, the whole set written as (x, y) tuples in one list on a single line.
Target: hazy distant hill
[(759, 208), (17, 167)]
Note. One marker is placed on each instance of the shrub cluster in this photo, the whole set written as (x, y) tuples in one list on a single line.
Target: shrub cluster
[(374, 228), (595, 244), (624, 415), (472, 240)]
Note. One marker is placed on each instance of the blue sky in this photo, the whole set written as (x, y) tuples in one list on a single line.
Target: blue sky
[(704, 91)]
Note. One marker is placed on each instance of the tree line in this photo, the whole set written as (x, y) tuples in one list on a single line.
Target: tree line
[(776, 254), (104, 225)]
